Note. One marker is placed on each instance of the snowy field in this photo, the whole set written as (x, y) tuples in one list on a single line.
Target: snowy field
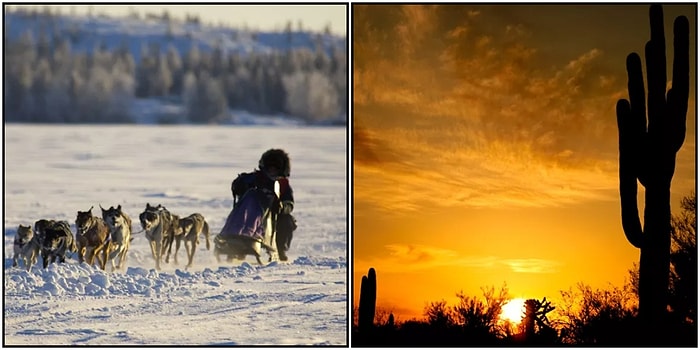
[(51, 172)]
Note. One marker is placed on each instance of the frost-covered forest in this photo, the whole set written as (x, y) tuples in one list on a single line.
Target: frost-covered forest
[(67, 69)]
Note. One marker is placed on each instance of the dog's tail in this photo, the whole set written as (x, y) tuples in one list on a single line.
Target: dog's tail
[(205, 229)]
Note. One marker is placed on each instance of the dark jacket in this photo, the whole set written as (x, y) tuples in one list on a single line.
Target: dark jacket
[(258, 179)]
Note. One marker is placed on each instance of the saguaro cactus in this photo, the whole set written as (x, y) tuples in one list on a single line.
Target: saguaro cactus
[(368, 301), (648, 150)]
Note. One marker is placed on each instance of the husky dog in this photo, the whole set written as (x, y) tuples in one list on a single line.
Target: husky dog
[(40, 226), (57, 242), (119, 240), (157, 223), (92, 235), (31, 252), (191, 227), (22, 239)]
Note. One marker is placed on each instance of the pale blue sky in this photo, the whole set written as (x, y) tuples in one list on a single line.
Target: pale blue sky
[(263, 17)]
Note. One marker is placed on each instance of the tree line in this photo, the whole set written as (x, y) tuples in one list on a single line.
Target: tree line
[(46, 80)]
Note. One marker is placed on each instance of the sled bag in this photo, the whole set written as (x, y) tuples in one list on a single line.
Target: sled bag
[(248, 217)]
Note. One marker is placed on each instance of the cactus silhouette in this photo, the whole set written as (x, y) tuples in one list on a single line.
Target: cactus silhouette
[(536, 314), (649, 139), (368, 301)]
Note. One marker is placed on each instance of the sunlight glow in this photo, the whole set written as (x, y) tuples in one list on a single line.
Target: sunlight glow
[(514, 310)]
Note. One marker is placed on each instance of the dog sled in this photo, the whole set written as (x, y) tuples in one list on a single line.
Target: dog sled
[(250, 227)]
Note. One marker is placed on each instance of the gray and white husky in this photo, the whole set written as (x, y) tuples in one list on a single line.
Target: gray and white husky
[(157, 224), (119, 224), (27, 246)]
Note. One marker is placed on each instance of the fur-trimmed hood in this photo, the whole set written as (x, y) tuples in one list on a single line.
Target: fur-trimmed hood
[(277, 157)]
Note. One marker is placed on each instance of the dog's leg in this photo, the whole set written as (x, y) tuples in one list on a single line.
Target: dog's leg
[(93, 254), (102, 255), (86, 254), (82, 251), (178, 240), (105, 258), (89, 254), (113, 254), (28, 261), (155, 250), (125, 250), (83, 254), (121, 256), (167, 246), (187, 253), (35, 257), (159, 248), (17, 253), (190, 251)]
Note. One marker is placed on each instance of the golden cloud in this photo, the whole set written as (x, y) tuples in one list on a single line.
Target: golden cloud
[(405, 258), (474, 119)]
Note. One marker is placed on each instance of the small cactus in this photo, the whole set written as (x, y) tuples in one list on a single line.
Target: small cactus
[(536, 315), (368, 301)]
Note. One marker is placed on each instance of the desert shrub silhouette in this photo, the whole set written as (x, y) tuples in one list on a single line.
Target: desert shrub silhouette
[(598, 317)]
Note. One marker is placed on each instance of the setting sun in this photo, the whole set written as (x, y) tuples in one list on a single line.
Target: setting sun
[(514, 310)]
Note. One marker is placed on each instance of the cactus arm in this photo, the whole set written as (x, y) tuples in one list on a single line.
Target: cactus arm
[(678, 94), (655, 51), (631, 121)]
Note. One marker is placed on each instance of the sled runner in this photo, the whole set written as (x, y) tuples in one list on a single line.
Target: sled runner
[(250, 227)]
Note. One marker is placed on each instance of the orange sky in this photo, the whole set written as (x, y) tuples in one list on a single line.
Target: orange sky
[(485, 147)]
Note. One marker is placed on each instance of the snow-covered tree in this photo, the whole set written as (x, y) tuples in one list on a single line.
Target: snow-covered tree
[(205, 101), (310, 96)]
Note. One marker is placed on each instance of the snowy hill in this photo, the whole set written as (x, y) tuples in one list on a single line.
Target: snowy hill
[(88, 33)]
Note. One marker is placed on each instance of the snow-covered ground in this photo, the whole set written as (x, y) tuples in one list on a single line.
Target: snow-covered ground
[(53, 171)]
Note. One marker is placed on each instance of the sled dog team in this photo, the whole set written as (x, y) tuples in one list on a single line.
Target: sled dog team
[(108, 238), (261, 218)]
